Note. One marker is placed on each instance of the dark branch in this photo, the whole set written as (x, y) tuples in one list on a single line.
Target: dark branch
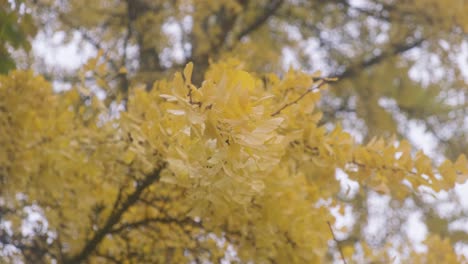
[(337, 243), (322, 81), (259, 21), (115, 217), (393, 51), (160, 220)]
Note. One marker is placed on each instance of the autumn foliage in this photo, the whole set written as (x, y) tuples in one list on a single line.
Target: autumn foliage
[(186, 172), (186, 140)]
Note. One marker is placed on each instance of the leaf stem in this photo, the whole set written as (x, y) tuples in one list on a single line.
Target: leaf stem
[(337, 243)]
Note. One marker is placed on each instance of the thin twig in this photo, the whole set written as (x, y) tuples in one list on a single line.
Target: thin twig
[(337, 243), (322, 81), (191, 101)]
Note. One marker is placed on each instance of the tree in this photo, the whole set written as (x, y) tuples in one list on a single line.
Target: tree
[(368, 46), (185, 173), (243, 164)]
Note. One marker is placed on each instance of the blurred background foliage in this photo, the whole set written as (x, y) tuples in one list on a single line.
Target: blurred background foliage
[(396, 61), (17, 27), (400, 64)]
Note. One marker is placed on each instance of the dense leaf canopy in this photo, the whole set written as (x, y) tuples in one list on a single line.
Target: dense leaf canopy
[(185, 140), (235, 160)]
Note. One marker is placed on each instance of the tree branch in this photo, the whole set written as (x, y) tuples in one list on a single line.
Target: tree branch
[(160, 220), (259, 21), (115, 217), (395, 50), (337, 243), (322, 81)]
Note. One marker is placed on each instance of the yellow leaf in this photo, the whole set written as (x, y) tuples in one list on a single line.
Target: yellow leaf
[(128, 157), (348, 251), (447, 170), (188, 72), (382, 188), (461, 164), (123, 70)]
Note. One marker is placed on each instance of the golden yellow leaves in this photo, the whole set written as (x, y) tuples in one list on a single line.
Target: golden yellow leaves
[(57, 158), (224, 146), (438, 250), (455, 172), (128, 157), (385, 167), (243, 155), (231, 132)]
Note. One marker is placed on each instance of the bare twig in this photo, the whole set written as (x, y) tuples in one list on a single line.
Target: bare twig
[(322, 81), (337, 243)]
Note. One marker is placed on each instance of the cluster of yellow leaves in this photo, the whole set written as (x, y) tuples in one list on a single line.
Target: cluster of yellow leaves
[(245, 156), (54, 152), (438, 251), (64, 154), (254, 160)]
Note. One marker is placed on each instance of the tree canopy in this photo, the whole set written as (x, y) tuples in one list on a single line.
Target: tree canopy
[(366, 45), (204, 148)]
